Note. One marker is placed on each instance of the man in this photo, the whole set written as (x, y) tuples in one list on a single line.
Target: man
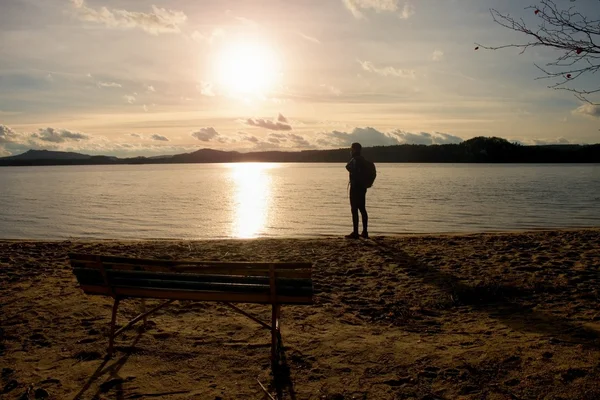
[(358, 191)]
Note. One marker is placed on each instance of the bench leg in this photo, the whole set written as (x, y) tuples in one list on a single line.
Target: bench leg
[(113, 323), (143, 311), (275, 333)]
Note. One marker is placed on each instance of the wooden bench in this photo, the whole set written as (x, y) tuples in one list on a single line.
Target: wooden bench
[(225, 282)]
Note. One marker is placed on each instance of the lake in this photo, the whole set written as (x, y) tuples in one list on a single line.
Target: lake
[(215, 201)]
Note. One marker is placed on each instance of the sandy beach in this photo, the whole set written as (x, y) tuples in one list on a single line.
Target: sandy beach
[(482, 316)]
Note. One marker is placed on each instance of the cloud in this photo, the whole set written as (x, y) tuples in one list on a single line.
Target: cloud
[(135, 135), (368, 136), (108, 85), (206, 134), (7, 135), (58, 135), (252, 139), (160, 20), (357, 6), (298, 140), (309, 38), (332, 89), (544, 142), (210, 38), (206, 89), (145, 107), (387, 71), (159, 138), (590, 110), (150, 88), (280, 125), (437, 55), (426, 138), (130, 99)]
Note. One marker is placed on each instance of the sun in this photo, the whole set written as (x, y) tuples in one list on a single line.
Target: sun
[(247, 68)]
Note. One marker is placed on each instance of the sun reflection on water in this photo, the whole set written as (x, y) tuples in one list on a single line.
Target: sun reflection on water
[(252, 187)]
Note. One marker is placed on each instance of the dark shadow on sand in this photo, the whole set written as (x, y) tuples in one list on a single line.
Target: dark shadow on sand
[(501, 302)]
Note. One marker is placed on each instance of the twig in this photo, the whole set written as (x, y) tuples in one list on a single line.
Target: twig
[(265, 390)]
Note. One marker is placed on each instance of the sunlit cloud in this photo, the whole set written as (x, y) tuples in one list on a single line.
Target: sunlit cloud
[(160, 20), (280, 124), (369, 136), (590, 110), (387, 71), (309, 38), (7, 135), (356, 7), (150, 88), (206, 134), (58, 135), (108, 85), (208, 38), (129, 98), (437, 55), (159, 138), (206, 89)]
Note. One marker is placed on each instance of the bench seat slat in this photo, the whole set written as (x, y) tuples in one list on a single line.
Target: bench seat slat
[(185, 263), (91, 275), (211, 286), (182, 294), (240, 271)]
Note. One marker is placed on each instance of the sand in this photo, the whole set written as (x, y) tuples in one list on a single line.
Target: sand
[(484, 316)]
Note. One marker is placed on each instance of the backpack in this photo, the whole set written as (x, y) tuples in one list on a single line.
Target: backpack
[(369, 173)]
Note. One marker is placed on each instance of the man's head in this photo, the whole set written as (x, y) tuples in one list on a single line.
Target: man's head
[(356, 149)]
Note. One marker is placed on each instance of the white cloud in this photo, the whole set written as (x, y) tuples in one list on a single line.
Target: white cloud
[(130, 99), (58, 135), (280, 124), (159, 138), (206, 89), (590, 110), (425, 138), (332, 89), (108, 85), (145, 107), (407, 11), (150, 88), (7, 135), (160, 20), (309, 38), (372, 137), (437, 55), (387, 71), (210, 38), (206, 134), (356, 7)]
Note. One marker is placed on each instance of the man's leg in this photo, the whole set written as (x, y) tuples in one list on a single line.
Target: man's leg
[(354, 210), (363, 213)]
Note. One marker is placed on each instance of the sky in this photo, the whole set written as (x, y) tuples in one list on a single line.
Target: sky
[(137, 77)]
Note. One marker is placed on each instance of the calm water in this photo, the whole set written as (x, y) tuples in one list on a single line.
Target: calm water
[(249, 200)]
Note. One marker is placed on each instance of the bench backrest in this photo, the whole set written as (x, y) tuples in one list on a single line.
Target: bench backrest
[(247, 282)]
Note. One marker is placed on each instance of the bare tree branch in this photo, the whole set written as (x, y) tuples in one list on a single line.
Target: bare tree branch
[(574, 35)]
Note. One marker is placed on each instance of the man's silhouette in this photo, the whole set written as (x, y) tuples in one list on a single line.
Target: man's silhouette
[(358, 191)]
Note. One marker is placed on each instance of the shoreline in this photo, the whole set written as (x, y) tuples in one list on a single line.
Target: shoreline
[(316, 237), (469, 316)]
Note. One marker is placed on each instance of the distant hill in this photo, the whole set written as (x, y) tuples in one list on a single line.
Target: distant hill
[(48, 155), (476, 150)]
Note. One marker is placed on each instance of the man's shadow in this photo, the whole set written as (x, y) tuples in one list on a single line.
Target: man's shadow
[(501, 302)]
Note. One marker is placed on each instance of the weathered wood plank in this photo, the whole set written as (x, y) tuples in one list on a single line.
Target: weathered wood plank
[(187, 263)]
